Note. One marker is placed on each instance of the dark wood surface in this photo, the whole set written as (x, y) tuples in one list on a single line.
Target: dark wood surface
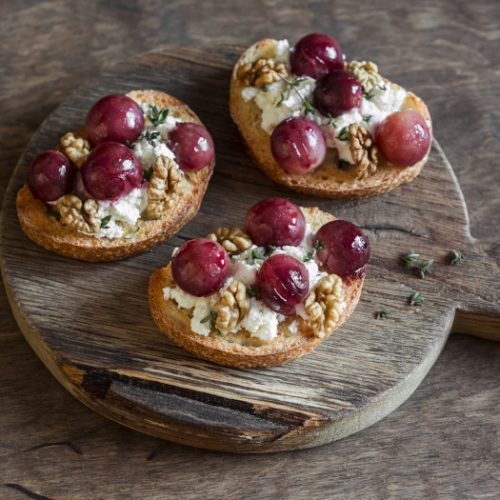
[(443, 442)]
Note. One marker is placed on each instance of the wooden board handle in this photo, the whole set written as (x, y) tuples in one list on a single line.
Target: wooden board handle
[(477, 295)]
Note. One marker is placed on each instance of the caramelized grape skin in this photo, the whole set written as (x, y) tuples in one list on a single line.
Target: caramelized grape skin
[(403, 138), (298, 145), (282, 283), (201, 267), (116, 118), (337, 93), (111, 171), (275, 221), (316, 55), (192, 145), (344, 248), (51, 176)]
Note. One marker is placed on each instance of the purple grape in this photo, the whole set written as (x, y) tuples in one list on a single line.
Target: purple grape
[(316, 55), (338, 93), (298, 145), (192, 145), (116, 118), (51, 176)]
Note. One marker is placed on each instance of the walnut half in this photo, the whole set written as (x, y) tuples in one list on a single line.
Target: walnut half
[(164, 185), (233, 239), (75, 148), (231, 307), (78, 215), (366, 72), (262, 72), (363, 150), (323, 305)]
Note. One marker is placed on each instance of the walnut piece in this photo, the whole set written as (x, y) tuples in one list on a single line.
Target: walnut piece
[(75, 148), (366, 72), (233, 239), (78, 215), (164, 185), (262, 72), (363, 150), (231, 307), (323, 305)]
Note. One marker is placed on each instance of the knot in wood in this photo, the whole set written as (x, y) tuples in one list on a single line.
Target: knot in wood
[(323, 305), (262, 72), (233, 239), (75, 147), (164, 185), (232, 307), (364, 152)]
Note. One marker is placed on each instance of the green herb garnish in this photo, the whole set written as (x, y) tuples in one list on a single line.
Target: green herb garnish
[(150, 135), (331, 120), (211, 316), (270, 249), (383, 314), (147, 173), (256, 254), (105, 221), (157, 116), (291, 85), (308, 107), (416, 299), (424, 267), (318, 245), (251, 291), (411, 257), (456, 257), (344, 134), (367, 118)]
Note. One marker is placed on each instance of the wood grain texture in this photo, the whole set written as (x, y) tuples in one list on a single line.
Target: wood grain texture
[(444, 441), (101, 344)]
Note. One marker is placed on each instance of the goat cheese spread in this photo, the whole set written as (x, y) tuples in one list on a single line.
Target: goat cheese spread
[(260, 321)]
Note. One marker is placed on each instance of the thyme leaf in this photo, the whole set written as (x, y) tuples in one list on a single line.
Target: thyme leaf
[(411, 257), (211, 316), (367, 118), (416, 299), (344, 134), (256, 254), (456, 257), (157, 116), (308, 107), (105, 221), (424, 267), (383, 314), (251, 291)]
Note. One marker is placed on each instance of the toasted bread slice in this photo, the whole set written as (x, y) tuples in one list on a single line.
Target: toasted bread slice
[(327, 180), (45, 230), (242, 350)]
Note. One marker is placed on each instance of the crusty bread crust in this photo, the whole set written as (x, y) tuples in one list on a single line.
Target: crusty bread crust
[(174, 322), (327, 180), (50, 234)]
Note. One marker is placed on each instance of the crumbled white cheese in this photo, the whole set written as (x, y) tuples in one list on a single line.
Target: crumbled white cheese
[(122, 213), (201, 307), (282, 51), (148, 151), (246, 273), (261, 321)]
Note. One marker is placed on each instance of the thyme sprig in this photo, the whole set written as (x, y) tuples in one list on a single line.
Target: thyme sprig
[(105, 221), (257, 254), (291, 86), (211, 316), (344, 134), (416, 299), (412, 259), (156, 115), (318, 245), (456, 257), (424, 267), (382, 314)]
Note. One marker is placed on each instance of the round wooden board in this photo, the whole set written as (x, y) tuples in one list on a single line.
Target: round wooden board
[(91, 326)]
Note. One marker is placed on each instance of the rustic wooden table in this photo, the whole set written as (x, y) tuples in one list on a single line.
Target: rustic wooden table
[(443, 442)]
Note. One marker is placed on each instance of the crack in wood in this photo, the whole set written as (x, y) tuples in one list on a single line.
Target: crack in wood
[(22, 489), (68, 444)]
